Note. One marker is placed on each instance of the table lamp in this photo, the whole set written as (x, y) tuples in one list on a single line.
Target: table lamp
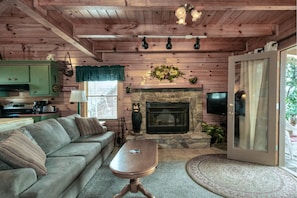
[(78, 96)]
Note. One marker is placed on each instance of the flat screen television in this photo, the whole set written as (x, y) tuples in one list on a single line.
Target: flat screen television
[(216, 103)]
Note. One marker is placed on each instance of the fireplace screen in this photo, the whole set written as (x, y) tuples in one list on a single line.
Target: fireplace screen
[(167, 117)]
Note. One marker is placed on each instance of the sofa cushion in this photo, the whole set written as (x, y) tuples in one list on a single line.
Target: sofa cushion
[(4, 165), (87, 150), (49, 135), (104, 138), (62, 171), (16, 181), (5, 134), (88, 126), (70, 126), (19, 151)]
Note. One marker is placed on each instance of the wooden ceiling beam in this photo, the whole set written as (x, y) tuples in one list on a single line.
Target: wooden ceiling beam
[(4, 5), (58, 25), (173, 4), (206, 45), (211, 31)]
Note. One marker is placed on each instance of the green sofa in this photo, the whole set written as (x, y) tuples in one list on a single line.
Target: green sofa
[(71, 159)]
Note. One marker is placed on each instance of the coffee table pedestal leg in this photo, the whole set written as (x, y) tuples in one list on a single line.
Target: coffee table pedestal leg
[(134, 187)]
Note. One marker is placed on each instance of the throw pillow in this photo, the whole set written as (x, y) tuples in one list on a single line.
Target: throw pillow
[(70, 126), (88, 126), (20, 152)]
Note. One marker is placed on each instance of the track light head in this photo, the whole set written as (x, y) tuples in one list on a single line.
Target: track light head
[(144, 43), (197, 44), (169, 45)]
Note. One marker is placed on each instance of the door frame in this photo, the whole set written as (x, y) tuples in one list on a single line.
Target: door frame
[(271, 156), (282, 117)]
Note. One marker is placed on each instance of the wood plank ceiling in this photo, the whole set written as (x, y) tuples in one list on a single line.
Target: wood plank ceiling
[(98, 26)]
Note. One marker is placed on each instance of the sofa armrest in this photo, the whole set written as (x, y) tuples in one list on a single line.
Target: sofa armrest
[(15, 181)]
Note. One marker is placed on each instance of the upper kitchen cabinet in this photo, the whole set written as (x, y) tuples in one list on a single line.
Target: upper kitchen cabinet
[(44, 79), (42, 76), (14, 74)]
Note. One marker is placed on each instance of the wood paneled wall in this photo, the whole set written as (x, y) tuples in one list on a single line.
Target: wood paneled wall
[(210, 68)]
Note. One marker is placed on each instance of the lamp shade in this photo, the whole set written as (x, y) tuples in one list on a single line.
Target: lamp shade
[(78, 96)]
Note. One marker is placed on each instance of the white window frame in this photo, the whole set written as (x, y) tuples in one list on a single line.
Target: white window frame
[(102, 116)]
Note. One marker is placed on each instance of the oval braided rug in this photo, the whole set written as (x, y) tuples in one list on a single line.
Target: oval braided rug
[(231, 178)]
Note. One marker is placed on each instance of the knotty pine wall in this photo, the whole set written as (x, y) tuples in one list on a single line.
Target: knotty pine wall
[(210, 68)]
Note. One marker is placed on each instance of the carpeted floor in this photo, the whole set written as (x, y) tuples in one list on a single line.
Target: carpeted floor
[(230, 178), (169, 180)]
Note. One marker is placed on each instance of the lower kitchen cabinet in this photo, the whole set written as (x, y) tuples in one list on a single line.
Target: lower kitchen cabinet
[(40, 117)]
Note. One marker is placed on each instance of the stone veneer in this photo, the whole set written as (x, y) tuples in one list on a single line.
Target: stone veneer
[(192, 139)]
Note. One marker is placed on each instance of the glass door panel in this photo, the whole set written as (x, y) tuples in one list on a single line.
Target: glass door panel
[(252, 109)]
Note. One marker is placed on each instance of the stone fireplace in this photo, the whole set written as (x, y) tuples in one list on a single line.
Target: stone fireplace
[(189, 136)]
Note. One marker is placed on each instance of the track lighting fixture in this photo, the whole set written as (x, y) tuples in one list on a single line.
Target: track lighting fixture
[(197, 44), (181, 13), (144, 43), (168, 45)]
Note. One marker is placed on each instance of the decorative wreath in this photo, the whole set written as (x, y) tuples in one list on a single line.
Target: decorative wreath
[(163, 72)]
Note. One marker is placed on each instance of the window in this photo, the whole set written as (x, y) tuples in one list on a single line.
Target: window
[(102, 99)]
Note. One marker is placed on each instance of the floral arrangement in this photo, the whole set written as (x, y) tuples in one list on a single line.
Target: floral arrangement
[(163, 72)]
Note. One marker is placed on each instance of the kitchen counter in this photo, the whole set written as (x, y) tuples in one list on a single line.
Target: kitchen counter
[(14, 123), (40, 116)]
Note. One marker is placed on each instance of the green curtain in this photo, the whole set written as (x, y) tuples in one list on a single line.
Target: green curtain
[(100, 73)]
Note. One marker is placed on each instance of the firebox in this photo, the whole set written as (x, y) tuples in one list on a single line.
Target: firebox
[(167, 117)]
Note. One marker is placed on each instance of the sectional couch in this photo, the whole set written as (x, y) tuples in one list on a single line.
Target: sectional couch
[(52, 158)]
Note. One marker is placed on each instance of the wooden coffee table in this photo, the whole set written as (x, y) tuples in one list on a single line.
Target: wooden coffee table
[(136, 159)]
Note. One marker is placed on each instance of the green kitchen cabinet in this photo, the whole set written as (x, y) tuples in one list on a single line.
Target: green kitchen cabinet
[(44, 79), (14, 74), (42, 76)]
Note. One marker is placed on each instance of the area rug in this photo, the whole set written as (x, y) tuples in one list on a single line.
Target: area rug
[(231, 178), (170, 180)]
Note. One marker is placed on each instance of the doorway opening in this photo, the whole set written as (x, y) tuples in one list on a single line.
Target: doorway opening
[(289, 60)]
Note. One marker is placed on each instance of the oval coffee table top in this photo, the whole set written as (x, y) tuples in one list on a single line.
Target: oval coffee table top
[(136, 158)]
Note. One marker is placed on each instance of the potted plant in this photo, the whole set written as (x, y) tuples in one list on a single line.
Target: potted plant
[(216, 132)]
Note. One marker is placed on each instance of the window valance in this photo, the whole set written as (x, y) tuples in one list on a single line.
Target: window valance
[(100, 73)]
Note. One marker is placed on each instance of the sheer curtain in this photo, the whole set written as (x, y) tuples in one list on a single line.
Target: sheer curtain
[(253, 125)]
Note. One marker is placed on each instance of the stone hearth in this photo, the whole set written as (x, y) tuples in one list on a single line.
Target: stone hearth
[(194, 138)]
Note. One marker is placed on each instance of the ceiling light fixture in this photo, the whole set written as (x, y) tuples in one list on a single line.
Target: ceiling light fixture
[(181, 13), (144, 43), (197, 44), (168, 45)]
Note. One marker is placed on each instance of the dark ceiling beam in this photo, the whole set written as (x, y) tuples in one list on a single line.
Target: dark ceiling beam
[(58, 25), (173, 4)]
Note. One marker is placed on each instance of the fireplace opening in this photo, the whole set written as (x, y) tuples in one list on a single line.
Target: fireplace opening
[(167, 117)]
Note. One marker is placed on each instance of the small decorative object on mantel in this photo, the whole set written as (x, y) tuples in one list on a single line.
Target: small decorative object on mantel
[(193, 80), (128, 89), (165, 72)]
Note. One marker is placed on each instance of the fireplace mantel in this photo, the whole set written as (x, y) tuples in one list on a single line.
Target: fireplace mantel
[(153, 87)]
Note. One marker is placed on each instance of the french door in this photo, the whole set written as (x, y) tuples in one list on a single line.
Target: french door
[(253, 100)]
